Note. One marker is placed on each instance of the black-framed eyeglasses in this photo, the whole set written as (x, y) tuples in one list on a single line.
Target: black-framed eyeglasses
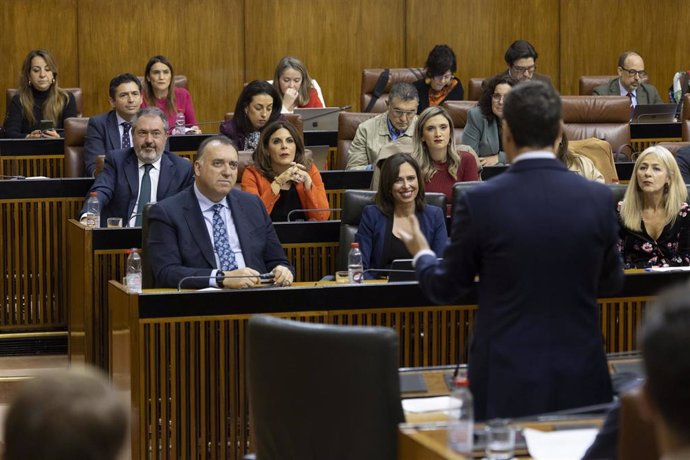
[(521, 70), (632, 72)]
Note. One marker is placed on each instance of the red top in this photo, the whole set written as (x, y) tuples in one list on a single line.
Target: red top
[(442, 181), (314, 101)]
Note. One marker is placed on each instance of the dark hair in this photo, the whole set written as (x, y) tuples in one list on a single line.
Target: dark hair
[(488, 88), (57, 97), (261, 156), (665, 340), (254, 88), (624, 56), (219, 138), (404, 91), (389, 173), (520, 49), (65, 415), (120, 79), (151, 112), (533, 112), (441, 59), (149, 94)]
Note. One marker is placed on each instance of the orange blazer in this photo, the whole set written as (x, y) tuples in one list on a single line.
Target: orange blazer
[(255, 182)]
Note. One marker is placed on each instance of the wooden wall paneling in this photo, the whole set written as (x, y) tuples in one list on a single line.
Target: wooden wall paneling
[(480, 31), (336, 39), (202, 39), (595, 32), (27, 25)]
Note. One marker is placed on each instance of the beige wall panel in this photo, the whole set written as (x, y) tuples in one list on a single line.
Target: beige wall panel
[(595, 32), (336, 39), (26, 25), (480, 31), (203, 40)]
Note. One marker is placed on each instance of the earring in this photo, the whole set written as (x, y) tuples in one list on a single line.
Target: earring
[(666, 187)]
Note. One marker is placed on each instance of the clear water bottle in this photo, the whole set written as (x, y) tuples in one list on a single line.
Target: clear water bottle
[(461, 417), (354, 264), (133, 278), (93, 211), (179, 124)]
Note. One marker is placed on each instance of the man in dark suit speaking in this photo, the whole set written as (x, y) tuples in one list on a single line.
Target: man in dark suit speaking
[(544, 244), (213, 234), (144, 173)]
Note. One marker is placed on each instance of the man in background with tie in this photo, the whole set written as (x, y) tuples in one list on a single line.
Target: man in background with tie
[(141, 174), (630, 82), (113, 130), (212, 234)]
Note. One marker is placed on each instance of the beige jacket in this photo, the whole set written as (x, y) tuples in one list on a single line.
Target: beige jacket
[(371, 135)]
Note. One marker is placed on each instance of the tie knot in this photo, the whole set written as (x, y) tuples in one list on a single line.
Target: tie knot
[(147, 168), (127, 125), (217, 207)]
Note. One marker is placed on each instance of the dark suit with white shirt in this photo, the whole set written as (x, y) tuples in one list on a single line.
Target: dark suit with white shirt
[(102, 135)]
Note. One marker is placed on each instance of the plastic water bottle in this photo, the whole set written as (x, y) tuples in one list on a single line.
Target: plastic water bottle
[(133, 278), (93, 211), (179, 124), (354, 264), (461, 417)]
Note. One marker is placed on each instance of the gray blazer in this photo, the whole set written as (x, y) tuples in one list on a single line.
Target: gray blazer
[(482, 136), (646, 94)]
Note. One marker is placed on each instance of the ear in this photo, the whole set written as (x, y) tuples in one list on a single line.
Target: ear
[(620, 72), (112, 102)]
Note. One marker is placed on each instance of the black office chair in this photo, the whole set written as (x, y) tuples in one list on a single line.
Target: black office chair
[(354, 202), (322, 391), (458, 189), (147, 281)]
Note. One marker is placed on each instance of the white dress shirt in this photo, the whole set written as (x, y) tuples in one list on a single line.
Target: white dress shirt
[(154, 174)]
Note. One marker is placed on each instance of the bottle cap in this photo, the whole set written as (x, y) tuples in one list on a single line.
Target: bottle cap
[(92, 193), (355, 245), (460, 381)]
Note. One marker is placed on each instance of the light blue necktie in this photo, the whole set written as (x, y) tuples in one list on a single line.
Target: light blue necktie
[(220, 241)]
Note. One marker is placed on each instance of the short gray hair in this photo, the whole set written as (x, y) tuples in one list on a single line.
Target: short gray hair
[(404, 91), (151, 112)]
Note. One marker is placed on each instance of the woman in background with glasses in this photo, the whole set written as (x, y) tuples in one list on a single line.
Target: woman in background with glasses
[(483, 128), (440, 84)]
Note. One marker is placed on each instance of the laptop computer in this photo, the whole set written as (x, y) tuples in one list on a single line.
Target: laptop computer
[(654, 113), (402, 270), (320, 119)]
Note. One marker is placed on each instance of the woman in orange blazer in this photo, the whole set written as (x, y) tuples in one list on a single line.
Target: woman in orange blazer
[(283, 178)]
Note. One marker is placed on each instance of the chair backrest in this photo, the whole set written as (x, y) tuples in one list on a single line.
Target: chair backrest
[(685, 118), (474, 89), (294, 118), (323, 391), (458, 189), (589, 82), (603, 117), (179, 81), (371, 76), (617, 193), (600, 153), (458, 113), (75, 132), (76, 92), (347, 127), (245, 159), (353, 204)]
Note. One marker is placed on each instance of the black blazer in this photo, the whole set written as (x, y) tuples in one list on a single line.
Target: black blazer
[(102, 135)]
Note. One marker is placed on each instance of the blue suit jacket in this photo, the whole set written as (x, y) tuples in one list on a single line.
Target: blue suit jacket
[(544, 244), (179, 244), (375, 230), (102, 135), (118, 185)]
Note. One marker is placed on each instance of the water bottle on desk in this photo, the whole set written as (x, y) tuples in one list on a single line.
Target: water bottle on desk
[(179, 124), (133, 278), (93, 211), (461, 417), (354, 264)]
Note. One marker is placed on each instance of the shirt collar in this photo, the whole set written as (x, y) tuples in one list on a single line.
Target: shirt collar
[(204, 203), (156, 164), (535, 155), (393, 130), (121, 120)]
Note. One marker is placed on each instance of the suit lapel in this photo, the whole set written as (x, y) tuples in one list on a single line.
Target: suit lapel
[(131, 171), (113, 132), (197, 226), (243, 230), (165, 177)]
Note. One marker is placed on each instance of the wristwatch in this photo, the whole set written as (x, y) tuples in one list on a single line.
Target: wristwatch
[(220, 276)]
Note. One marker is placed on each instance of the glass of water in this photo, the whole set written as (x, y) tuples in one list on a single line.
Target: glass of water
[(500, 440)]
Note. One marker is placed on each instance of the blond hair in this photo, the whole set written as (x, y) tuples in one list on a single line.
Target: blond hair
[(421, 150)]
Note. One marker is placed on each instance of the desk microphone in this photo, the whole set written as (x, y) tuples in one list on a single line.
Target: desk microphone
[(325, 112), (310, 210), (264, 278)]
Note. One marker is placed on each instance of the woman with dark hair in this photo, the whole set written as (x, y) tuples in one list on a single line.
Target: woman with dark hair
[(440, 84), (400, 194), (283, 177), (258, 105), (483, 128), (160, 77), (292, 81), (38, 98)]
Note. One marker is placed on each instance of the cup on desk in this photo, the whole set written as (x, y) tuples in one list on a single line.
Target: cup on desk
[(114, 222), (342, 277), (500, 440)]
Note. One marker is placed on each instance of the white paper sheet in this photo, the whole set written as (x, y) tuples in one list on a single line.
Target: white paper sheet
[(417, 405), (559, 444)]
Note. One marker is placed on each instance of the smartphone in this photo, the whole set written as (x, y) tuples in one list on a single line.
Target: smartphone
[(45, 125)]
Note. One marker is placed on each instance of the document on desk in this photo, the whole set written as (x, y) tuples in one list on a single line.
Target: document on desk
[(559, 444), (667, 269), (419, 405)]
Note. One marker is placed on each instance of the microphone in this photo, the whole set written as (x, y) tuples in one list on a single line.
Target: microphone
[(264, 278), (326, 112), (310, 210)]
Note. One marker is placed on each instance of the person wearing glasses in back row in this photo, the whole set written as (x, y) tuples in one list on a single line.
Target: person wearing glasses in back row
[(630, 82), (521, 58), (397, 122)]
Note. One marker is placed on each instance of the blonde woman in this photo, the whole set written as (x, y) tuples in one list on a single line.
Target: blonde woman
[(655, 225)]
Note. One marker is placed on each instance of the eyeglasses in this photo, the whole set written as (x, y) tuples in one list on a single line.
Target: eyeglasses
[(445, 77), (404, 113), (143, 134), (633, 73), (521, 70), (497, 97)]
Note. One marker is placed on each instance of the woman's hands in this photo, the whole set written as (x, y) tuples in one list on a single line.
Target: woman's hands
[(37, 134), (290, 99), (296, 173)]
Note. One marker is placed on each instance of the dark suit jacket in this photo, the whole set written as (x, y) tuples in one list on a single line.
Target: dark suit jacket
[(646, 94), (118, 185), (544, 244), (102, 135), (179, 244)]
